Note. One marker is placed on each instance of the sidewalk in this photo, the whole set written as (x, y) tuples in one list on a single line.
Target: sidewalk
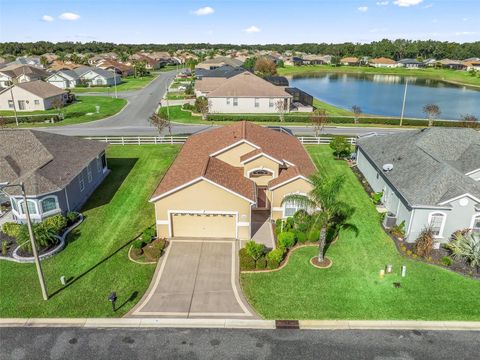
[(243, 324)]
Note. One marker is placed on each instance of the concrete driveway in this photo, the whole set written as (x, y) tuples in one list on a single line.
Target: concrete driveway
[(195, 279)]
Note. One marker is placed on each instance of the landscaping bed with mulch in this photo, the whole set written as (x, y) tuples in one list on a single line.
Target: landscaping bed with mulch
[(147, 249)]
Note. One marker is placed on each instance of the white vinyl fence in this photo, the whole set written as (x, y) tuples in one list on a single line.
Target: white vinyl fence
[(149, 140)]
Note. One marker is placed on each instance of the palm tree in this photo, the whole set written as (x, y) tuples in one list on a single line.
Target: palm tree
[(329, 211)]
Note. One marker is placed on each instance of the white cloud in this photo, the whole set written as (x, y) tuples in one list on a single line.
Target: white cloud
[(428, 6), (207, 10), (407, 3), (383, 3), (463, 33), (47, 18), (363, 8), (252, 29), (69, 16)]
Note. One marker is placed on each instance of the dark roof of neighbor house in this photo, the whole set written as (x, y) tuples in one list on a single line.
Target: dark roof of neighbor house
[(247, 84), (45, 162), (429, 165), (410, 61), (194, 159), (225, 71), (40, 88)]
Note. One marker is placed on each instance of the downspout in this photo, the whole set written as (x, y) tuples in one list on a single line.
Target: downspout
[(66, 198)]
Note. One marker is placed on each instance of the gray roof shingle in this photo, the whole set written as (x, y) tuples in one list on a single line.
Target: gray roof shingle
[(429, 165), (44, 162)]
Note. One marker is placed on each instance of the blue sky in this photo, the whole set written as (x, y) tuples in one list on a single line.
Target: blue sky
[(239, 22)]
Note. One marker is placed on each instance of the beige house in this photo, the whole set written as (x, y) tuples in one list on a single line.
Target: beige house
[(248, 93), (384, 62), (211, 64), (224, 178), (17, 73), (31, 96)]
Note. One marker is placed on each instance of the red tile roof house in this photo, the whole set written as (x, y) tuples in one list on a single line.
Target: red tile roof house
[(225, 179)]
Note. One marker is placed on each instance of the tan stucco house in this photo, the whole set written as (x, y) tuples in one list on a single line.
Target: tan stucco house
[(31, 96), (222, 177)]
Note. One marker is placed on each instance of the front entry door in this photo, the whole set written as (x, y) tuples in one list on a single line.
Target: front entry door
[(262, 200)]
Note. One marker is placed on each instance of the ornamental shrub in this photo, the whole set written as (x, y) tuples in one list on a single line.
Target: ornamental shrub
[(72, 217), (286, 240), (137, 244), (261, 263), (55, 223), (246, 261), (274, 258), (255, 250), (424, 243), (148, 235), (447, 261), (11, 229), (313, 235), (301, 237)]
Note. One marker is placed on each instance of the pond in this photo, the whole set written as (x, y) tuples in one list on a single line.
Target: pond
[(383, 94)]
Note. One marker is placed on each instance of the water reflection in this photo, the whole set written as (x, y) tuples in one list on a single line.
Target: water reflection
[(383, 94)]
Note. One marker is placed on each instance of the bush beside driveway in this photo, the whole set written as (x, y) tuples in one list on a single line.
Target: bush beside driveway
[(95, 260), (352, 288)]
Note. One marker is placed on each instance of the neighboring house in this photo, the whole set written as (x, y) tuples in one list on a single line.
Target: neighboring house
[(64, 79), (429, 178), (383, 62), (410, 63), (113, 65), (430, 62), (150, 63), (472, 65), (97, 76), (217, 62), (350, 61), (31, 96), (301, 101), (225, 177), (28, 60), (206, 85), (317, 59), (225, 71), (13, 74), (452, 64), (247, 93), (59, 172)]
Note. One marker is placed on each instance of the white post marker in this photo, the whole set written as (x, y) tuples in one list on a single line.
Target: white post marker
[(404, 101), (404, 271)]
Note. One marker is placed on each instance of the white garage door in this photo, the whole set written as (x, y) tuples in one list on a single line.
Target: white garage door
[(203, 225)]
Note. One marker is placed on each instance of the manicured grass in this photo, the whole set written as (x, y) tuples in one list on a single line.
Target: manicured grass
[(128, 83), (95, 259), (352, 288), (331, 109), (454, 76), (76, 113)]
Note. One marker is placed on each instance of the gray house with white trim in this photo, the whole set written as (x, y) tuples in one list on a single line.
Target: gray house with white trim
[(429, 178), (59, 172)]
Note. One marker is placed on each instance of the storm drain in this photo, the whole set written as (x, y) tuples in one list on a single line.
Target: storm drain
[(287, 324)]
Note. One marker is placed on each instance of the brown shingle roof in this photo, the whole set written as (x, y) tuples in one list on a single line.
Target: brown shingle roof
[(16, 70), (194, 159), (349, 60), (383, 60), (45, 162), (247, 84), (208, 84)]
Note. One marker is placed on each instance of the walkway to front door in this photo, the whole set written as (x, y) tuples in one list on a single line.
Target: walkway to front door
[(196, 278), (262, 228)]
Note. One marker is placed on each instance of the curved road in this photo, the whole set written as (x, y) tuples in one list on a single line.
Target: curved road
[(133, 119)]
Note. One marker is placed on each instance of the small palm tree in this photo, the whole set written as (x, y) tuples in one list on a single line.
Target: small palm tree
[(328, 211)]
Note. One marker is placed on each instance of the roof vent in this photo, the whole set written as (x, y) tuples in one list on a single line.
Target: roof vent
[(388, 167)]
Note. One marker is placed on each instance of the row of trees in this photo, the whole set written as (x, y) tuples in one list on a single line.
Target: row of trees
[(396, 49)]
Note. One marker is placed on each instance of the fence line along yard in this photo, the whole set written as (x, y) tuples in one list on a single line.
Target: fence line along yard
[(173, 140)]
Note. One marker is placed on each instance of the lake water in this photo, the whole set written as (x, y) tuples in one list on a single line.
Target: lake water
[(383, 94)]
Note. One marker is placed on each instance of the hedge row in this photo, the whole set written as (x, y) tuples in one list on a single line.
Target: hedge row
[(30, 119), (333, 120)]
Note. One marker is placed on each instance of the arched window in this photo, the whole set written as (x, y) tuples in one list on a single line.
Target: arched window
[(260, 172), (436, 221), (49, 204), (291, 207), (32, 207)]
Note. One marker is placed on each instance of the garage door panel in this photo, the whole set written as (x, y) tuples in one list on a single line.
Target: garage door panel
[(203, 225)]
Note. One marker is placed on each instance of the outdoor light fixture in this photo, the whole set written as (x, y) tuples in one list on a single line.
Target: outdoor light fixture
[(112, 298)]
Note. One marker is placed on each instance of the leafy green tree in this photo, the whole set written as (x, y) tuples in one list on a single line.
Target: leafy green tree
[(332, 212), (249, 63), (265, 67), (340, 146)]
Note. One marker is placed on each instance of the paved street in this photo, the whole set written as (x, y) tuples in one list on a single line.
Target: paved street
[(133, 120), (74, 343)]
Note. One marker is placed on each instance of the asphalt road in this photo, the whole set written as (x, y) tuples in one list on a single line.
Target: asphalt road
[(77, 343), (133, 120)]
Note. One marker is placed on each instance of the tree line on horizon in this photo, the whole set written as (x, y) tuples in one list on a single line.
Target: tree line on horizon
[(395, 49)]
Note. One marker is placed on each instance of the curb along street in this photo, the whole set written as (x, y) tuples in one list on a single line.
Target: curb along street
[(241, 324)]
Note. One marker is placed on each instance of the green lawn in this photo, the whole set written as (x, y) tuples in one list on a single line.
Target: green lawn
[(331, 109), (128, 83), (453, 76), (76, 113), (351, 288), (95, 258)]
